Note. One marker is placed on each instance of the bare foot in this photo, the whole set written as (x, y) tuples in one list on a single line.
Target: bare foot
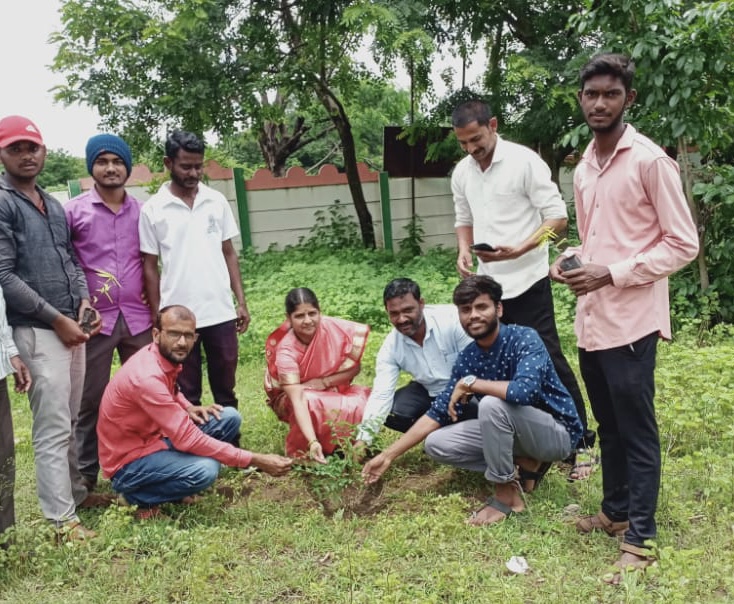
[(581, 471), (628, 562), (506, 501)]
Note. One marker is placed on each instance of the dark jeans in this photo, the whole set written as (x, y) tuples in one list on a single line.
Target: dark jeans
[(412, 401), (409, 403), (100, 350), (171, 475), (221, 348), (7, 460), (621, 387), (534, 308)]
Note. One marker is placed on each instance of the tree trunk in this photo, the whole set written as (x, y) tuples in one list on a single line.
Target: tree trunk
[(341, 121), (685, 162)]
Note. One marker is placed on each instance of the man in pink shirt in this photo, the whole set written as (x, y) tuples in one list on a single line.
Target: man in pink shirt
[(635, 229), (104, 232), (156, 446)]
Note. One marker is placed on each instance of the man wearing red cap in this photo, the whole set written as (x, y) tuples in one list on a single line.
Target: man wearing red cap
[(46, 294)]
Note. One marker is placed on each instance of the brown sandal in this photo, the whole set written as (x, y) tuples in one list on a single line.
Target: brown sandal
[(601, 522), (644, 560)]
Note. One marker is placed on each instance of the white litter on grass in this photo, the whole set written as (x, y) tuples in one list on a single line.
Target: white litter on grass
[(517, 565)]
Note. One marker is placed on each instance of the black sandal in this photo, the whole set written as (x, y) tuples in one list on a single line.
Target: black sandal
[(537, 476)]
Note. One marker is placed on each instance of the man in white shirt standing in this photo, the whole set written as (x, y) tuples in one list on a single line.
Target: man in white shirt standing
[(504, 197), (190, 226), (425, 342)]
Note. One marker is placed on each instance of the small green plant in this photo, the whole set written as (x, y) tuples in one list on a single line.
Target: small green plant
[(410, 246), (337, 484), (334, 229)]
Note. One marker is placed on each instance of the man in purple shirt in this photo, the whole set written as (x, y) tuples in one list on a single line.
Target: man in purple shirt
[(104, 232)]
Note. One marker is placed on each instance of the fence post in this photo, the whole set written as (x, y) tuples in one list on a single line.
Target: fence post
[(385, 210), (75, 188), (242, 210)]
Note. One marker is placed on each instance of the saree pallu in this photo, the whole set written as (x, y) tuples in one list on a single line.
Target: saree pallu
[(336, 346)]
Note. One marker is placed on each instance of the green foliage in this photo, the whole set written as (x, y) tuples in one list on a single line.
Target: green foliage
[(685, 65), (59, 168), (410, 245), (321, 537), (333, 230)]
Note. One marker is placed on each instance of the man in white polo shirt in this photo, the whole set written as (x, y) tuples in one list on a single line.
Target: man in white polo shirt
[(504, 197), (190, 227)]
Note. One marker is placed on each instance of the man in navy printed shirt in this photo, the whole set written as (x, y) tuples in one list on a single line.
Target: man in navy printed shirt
[(526, 417)]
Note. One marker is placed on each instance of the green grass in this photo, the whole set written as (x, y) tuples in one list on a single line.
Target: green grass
[(278, 541)]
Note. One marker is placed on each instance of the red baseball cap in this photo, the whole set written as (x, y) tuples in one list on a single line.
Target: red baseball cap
[(16, 128)]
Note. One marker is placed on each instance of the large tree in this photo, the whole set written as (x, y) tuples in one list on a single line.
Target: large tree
[(59, 168), (221, 65)]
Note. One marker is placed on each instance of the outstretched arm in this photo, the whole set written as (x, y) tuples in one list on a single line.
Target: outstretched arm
[(377, 466), (297, 395)]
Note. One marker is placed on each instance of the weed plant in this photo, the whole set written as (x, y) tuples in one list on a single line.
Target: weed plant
[(264, 540)]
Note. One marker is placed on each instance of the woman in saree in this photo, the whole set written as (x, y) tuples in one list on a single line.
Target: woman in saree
[(312, 360)]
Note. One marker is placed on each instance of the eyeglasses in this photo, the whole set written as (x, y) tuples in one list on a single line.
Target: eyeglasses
[(175, 336)]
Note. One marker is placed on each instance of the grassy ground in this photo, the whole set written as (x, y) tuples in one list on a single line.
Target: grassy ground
[(300, 539)]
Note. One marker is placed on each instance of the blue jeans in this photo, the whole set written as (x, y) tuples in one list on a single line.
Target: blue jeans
[(171, 475)]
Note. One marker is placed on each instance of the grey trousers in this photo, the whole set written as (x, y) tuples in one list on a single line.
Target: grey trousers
[(99, 351), (55, 395), (7, 460), (501, 432)]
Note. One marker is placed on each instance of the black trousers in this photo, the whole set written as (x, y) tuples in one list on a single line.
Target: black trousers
[(409, 403), (534, 308), (621, 386), (7, 460)]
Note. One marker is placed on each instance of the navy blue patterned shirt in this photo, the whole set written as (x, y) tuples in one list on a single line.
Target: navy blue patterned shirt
[(518, 356)]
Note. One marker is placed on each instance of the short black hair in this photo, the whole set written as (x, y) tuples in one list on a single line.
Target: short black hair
[(300, 295), (397, 288), (188, 141), (616, 65), (474, 286), (177, 310), (471, 111)]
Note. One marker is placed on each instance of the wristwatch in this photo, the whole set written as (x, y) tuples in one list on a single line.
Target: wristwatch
[(468, 381)]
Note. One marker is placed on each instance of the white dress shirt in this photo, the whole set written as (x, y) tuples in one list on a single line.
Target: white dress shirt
[(505, 204)]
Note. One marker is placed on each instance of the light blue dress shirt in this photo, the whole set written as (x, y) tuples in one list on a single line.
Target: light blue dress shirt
[(429, 365)]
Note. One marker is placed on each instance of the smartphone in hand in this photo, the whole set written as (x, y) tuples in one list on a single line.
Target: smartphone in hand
[(482, 247), (88, 317), (570, 263)]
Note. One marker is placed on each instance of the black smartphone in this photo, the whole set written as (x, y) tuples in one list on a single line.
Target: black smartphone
[(482, 247), (570, 263), (87, 319)]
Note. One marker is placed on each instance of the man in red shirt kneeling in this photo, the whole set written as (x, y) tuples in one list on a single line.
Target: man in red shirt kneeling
[(154, 445)]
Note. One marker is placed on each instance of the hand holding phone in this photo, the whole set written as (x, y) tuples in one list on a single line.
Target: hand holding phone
[(482, 247), (570, 263), (88, 317)]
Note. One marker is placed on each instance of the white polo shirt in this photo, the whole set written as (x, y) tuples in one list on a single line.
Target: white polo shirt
[(189, 243), (505, 204)]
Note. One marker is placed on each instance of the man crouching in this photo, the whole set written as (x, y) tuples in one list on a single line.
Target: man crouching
[(525, 416), (154, 445)]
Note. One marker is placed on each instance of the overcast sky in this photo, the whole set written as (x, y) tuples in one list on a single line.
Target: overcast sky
[(24, 30), (25, 27)]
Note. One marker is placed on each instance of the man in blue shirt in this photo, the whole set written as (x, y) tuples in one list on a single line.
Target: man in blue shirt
[(526, 416), (425, 342)]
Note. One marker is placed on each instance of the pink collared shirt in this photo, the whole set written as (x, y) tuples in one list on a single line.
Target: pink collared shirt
[(632, 217), (142, 405), (107, 246)]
